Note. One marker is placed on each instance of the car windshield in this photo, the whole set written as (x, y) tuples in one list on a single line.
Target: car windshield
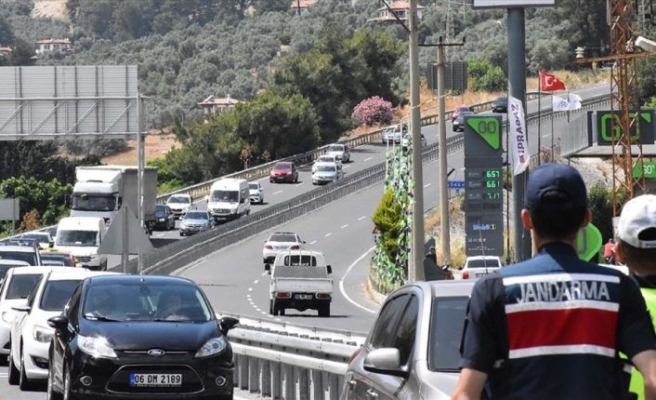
[(282, 237), (253, 186), (26, 256), (87, 202), (77, 238), (225, 196), (137, 301), (160, 209), (41, 238), (283, 166), (21, 285), (447, 320), (6, 267), (491, 263), (196, 215), (57, 259), (336, 147), (326, 168), (56, 294), (179, 200)]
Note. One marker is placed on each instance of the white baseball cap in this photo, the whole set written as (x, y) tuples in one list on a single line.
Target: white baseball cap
[(638, 214)]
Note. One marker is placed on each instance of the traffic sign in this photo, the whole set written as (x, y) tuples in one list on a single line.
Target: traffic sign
[(588, 242), (488, 128), (646, 168), (456, 184)]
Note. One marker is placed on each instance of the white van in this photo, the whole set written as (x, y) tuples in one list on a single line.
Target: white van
[(229, 199), (81, 236)]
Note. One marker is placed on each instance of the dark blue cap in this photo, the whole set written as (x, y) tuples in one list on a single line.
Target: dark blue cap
[(555, 177)]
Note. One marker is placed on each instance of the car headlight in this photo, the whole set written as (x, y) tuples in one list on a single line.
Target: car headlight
[(8, 316), (211, 347), (95, 347), (183, 225), (42, 334)]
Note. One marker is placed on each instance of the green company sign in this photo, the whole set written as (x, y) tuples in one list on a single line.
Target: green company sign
[(588, 242), (488, 128), (646, 168), (642, 130)]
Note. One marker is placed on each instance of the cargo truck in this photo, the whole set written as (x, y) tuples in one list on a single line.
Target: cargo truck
[(101, 190)]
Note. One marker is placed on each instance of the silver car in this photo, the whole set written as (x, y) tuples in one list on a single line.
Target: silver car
[(195, 221), (341, 151), (412, 350), (326, 173)]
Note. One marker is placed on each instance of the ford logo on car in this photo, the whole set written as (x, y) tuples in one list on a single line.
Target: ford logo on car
[(156, 352)]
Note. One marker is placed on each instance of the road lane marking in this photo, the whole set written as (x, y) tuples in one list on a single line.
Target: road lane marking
[(255, 281), (427, 185), (344, 226), (361, 218), (313, 242), (328, 234), (278, 192), (367, 159), (250, 289), (341, 283)]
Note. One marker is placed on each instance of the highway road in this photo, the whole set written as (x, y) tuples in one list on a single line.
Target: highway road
[(234, 278)]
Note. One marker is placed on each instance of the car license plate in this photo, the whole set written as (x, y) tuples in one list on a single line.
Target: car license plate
[(159, 380), (303, 297), (480, 274)]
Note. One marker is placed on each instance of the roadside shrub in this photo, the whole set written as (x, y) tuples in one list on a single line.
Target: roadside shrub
[(373, 111)]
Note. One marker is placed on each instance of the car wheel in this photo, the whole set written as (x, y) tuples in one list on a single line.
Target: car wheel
[(271, 307), (12, 374), (23, 382), (270, 180), (51, 392), (261, 200), (181, 234)]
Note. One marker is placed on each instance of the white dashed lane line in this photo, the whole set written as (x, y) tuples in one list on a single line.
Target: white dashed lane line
[(427, 185), (344, 226), (328, 234), (278, 192), (361, 218), (313, 242), (368, 159)]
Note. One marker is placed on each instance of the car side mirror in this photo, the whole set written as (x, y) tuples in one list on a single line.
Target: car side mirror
[(227, 323), (329, 269), (22, 308), (58, 322)]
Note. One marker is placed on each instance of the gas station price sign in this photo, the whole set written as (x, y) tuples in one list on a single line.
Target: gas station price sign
[(483, 185)]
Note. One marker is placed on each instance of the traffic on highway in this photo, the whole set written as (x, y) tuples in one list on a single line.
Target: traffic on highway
[(264, 276)]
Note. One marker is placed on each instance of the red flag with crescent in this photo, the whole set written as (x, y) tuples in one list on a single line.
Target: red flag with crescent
[(549, 83)]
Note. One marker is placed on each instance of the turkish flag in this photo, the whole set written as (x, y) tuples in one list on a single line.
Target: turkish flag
[(549, 83)]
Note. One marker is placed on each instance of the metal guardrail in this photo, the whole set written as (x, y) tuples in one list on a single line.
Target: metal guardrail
[(279, 361)]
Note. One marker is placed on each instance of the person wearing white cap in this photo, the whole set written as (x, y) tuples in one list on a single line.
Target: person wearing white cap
[(636, 246)]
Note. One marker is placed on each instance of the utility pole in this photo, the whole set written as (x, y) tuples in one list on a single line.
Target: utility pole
[(416, 272), (445, 234)]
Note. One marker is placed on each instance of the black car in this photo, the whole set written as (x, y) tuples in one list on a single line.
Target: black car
[(459, 123), (500, 104), (164, 217), (140, 337)]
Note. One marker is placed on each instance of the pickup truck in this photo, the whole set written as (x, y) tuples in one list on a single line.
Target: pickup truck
[(300, 280)]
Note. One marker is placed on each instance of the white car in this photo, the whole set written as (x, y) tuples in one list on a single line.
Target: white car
[(179, 204), (405, 142), (280, 241), (326, 173), (43, 238), (30, 332), (16, 286), (479, 266), (341, 151), (326, 159), (392, 134), (255, 192)]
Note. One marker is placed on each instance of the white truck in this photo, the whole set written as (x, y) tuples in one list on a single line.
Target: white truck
[(229, 199), (101, 190), (81, 236), (300, 280)]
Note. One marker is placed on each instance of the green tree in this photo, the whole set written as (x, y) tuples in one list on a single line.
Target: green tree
[(388, 220), (49, 198), (600, 200)]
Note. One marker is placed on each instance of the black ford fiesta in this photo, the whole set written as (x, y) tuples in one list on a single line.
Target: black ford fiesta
[(140, 337)]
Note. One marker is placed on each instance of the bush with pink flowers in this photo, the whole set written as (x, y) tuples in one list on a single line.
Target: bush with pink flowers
[(373, 111)]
